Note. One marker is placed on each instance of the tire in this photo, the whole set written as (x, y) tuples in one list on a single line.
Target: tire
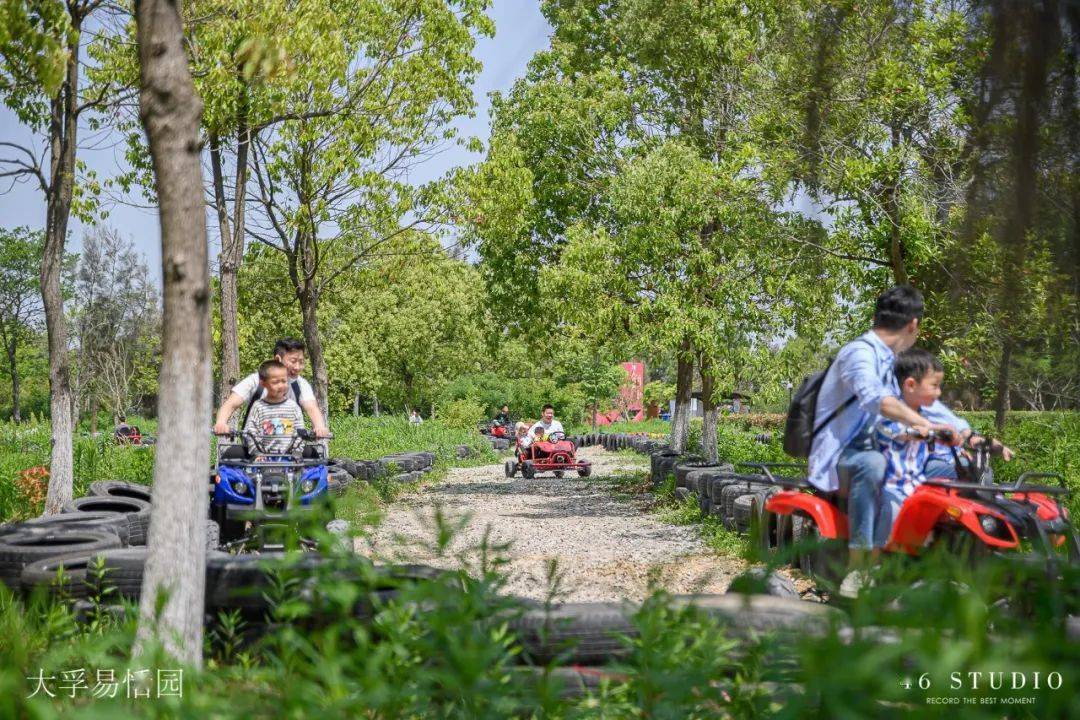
[(527, 470), (744, 508), (663, 464), (559, 474), (574, 633), (43, 574), (404, 462), (585, 471), (685, 466), (500, 444), (136, 511), (727, 503), (20, 549), (338, 482), (748, 615), (817, 557), (65, 522), (699, 481), (367, 470), (510, 467), (119, 488)]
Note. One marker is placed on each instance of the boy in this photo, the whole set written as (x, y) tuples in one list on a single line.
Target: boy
[(274, 413), (291, 354)]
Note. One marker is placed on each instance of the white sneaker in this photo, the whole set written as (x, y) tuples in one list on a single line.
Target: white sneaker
[(855, 581)]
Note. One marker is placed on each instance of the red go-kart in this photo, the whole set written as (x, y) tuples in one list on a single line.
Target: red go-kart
[(973, 517), (555, 454)]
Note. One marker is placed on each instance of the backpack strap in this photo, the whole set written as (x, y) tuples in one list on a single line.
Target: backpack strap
[(296, 390), (844, 405), (251, 403)]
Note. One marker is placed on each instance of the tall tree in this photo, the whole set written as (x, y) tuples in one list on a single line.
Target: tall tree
[(332, 184), (176, 560), (40, 81), (20, 306), (116, 322)]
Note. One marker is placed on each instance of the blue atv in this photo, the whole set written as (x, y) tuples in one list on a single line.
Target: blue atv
[(254, 491)]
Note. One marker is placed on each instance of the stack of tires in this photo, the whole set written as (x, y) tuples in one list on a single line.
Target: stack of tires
[(406, 467)]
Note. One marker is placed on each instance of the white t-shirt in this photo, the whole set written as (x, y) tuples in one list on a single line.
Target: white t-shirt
[(554, 427), (246, 389)]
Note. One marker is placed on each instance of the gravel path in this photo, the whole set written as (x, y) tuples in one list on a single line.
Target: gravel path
[(605, 547)]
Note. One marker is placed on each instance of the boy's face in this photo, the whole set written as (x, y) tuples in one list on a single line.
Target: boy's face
[(276, 385), (293, 361), (920, 393), (549, 415)]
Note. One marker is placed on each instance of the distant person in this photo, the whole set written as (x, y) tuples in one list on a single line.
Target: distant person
[(274, 415), (289, 353), (503, 415), (415, 419)]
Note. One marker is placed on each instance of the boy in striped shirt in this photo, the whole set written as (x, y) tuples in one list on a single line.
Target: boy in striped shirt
[(919, 375), (274, 414)]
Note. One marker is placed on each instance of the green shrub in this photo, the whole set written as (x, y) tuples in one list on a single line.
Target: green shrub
[(525, 396), (461, 414)]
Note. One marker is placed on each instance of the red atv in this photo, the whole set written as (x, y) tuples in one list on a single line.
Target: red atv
[(495, 429), (973, 517), (555, 454)]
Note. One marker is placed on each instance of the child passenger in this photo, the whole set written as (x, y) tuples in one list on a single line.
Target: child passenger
[(275, 413)]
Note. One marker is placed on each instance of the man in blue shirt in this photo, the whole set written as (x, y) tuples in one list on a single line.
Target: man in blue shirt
[(856, 392)]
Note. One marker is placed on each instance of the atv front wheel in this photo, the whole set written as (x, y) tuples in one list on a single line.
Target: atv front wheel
[(528, 471), (511, 468)]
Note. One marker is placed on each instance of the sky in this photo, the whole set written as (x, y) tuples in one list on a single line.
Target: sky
[(520, 31)]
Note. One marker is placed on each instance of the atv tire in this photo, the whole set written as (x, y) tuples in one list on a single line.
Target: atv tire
[(119, 488), (136, 511), (20, 549)]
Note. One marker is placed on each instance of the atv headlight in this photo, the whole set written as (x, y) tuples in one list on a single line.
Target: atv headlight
[(240, 487), (307, 486), (990, 524)]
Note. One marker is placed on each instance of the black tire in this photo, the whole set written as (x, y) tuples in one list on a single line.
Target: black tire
[(727, 503), (367, 470), (404, 462), (559, 474), (662, 464), (817, 557), (20, 549), (748, 615), (64, 522), (510, 467), (744, 508), (137, 512), (585, 470), (44, 573), (528, 471), (119, 488), (685, 466), (574, 633)]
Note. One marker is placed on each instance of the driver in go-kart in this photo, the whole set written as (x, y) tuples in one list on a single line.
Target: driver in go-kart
[(549, 425)]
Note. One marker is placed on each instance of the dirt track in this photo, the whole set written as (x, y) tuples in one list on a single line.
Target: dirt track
[(605, 547)]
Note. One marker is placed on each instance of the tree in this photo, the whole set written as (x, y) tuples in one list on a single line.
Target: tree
[(332, 183), (40, 81), (171, 607), (20, 307), (116, 323)]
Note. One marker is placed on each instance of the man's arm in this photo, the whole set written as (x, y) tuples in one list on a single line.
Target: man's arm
[(231, 405), (311, 407)]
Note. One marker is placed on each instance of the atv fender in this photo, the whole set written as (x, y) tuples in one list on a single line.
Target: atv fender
[(926, 508), (831, 523)]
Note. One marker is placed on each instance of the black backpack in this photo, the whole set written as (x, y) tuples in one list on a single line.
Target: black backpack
[(801, 427)]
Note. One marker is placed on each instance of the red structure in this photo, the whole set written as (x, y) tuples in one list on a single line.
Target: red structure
[(632, 393)]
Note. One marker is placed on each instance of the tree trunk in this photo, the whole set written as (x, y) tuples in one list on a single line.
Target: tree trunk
[(232, 251), (356, 404), (684, 387), (63, 126), (95, 408), (892, 214), (709, 443), (13, 366), (176, 562), (1001, 398), (309, 307), (376, 406)]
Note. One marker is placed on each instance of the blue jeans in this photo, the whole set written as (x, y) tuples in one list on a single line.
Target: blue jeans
[(938, 468), (864, 467)]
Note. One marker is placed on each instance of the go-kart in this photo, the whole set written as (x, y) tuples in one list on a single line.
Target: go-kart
[(554, 454), (972, 517), (255, 492)]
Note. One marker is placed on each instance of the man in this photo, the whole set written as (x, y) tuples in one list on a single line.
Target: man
[(548, 422), (504, 416), (858, 389), (290, 353)]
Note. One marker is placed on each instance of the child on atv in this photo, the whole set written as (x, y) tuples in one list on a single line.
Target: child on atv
[(274, 413), (908, 454)]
